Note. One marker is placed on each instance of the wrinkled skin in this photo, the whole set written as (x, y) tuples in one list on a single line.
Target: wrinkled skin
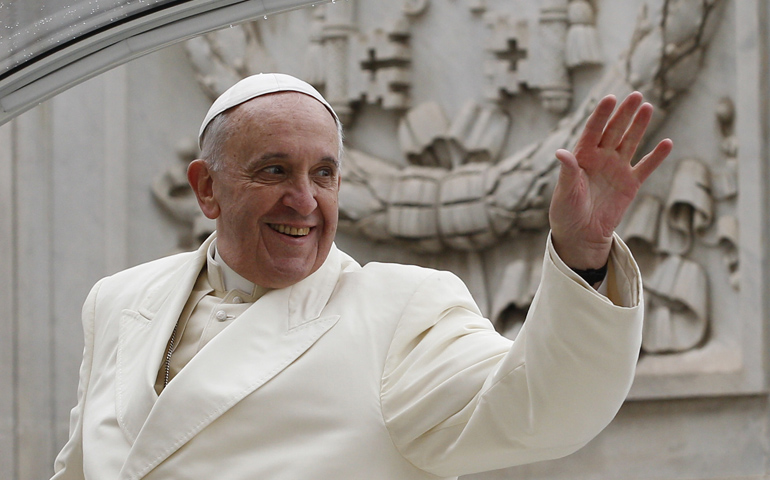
[(597, 182), (275, 198)]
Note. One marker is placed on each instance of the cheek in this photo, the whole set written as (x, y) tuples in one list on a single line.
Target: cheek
[(329, 207), (242, 218), (251, 204)]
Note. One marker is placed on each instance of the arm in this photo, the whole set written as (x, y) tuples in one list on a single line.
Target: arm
[(458, 398), (69, 462)]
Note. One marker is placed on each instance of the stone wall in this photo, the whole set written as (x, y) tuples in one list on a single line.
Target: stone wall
[(461, 104)]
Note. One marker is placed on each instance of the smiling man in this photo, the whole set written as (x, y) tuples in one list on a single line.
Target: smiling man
[(270, 354), (274, 193)]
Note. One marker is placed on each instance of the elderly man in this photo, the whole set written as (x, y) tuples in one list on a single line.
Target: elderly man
[(270, 354)]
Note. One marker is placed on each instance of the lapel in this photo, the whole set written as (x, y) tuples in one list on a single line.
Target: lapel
[(257, 346), (143, 339)]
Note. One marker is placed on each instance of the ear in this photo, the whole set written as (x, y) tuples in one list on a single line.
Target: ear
[(202, 183)]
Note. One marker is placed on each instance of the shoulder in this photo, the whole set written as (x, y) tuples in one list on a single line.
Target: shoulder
[(388, 275), (157, 268), (144, 279), (399, 284)]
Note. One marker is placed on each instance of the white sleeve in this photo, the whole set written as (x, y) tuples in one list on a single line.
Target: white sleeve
[(623, 283), (458, 398)]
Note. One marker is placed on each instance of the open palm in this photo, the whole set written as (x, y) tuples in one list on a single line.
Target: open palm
[(597, 182)]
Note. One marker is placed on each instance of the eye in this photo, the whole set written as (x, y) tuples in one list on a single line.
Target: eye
[(326, 169), (273, 170), (326, 175), (270, 174)]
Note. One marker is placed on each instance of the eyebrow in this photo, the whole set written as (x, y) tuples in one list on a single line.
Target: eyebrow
[(331, 160), (268, 157)]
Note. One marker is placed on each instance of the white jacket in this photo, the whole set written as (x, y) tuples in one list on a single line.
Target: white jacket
[(376, 372)]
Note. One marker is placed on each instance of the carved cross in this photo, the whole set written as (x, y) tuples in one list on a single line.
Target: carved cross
[(384, 62), (374, 62), (507, 65), (513, 54)]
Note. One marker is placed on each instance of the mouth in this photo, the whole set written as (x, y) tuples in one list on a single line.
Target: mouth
[(291, 231)]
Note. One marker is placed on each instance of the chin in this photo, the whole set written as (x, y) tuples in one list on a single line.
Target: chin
[(286, 278)]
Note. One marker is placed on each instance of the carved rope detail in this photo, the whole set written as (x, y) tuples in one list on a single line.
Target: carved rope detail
[(512, 194)]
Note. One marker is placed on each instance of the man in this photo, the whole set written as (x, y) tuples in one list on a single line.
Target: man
[(270, 354)]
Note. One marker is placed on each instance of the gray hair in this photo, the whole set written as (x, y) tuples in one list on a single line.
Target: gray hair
[(217, 133)]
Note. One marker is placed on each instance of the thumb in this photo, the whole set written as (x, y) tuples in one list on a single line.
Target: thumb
[(570, 169)]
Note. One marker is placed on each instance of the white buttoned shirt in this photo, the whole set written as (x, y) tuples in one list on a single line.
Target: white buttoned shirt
[(220, 295)]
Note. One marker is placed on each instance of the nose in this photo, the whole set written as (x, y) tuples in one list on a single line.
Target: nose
[(300, 196)]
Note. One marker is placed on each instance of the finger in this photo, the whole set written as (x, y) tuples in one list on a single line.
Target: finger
[(568, 160), (652, 160), (570, 169), (592, 133), (635, 132), (617, 125)]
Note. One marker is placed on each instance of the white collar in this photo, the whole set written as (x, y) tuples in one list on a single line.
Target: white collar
[(223, 278)]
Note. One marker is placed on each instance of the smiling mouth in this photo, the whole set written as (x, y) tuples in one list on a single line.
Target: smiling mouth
[(292, 231)]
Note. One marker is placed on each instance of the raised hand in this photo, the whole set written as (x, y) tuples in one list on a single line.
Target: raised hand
[(597, 181)]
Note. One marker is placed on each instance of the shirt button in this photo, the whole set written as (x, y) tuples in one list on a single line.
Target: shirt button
[(237, 299), (221, 315)]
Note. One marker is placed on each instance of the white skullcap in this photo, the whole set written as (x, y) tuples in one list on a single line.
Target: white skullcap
[(256, 86)]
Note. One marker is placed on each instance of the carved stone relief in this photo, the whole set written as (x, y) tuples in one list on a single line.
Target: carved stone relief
[(678, 290), (460, 194), (171, 191)]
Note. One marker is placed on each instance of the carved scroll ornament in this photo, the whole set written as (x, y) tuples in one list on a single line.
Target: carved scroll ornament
[(677, 307), (689, 207)]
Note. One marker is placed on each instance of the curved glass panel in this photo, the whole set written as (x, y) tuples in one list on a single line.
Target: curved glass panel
[(33, 28), (47, 46)]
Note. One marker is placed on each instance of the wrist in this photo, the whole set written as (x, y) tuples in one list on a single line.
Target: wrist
[(593, 276), (583, 257)]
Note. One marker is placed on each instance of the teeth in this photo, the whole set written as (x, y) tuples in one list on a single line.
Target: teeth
[(293, 231)]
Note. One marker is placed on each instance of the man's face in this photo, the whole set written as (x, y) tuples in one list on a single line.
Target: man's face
[(276, 194)]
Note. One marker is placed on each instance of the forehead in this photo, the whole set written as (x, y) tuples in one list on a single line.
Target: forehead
[(285, 107), (279, 120)]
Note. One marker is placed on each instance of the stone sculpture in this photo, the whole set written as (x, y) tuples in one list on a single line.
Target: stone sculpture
[(459, 196)]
